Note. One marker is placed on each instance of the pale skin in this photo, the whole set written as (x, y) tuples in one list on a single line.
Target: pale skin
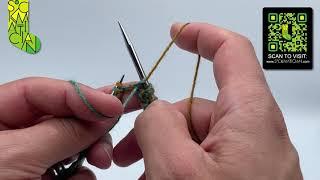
[(243, 133), (43, 121)]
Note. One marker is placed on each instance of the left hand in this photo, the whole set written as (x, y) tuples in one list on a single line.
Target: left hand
[(43, 121)]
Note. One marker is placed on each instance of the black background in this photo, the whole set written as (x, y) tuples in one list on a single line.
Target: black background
[(309, 23)]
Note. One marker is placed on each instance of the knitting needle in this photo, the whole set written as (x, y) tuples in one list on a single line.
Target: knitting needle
[(133, 54), (121, 80)]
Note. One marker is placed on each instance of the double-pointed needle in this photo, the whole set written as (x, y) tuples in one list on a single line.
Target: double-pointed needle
[(133, 54), (121, 80)]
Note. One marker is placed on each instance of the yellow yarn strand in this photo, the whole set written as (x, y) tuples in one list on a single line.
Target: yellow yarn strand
[(64, 173), (165, 51), (190, 124)]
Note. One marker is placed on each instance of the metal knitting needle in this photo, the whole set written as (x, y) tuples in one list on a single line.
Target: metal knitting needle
[(121, 80), (133, 54)]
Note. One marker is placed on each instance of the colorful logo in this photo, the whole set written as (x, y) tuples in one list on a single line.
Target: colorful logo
[(18, 27), (287, 38)]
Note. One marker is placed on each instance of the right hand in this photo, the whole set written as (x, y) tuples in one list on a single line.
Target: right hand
[(243, 134)]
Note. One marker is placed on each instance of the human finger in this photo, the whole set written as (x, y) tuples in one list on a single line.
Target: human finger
[(233, 55), (50, 141), (133, 105), (25, 101), (162, 134), (127, 151), (100, 153)]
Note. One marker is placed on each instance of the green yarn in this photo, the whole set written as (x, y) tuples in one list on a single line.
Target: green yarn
[(145, 94), (144, 91), (85, 100)]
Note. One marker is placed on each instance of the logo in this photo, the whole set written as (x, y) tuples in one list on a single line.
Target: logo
[(287, 38), (18, 27)]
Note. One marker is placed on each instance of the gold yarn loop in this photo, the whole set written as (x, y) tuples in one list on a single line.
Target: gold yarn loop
[(165, 51)]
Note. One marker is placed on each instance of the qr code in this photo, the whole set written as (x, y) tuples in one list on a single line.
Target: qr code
[(287, 32)]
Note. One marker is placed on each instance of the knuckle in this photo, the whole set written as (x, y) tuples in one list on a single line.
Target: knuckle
[(244, 40), (140, 120), (240, 40), (178, 115), (159, 104), (197, 99), (31, 79), (180, 169), (154, 113), (146, 119), (279, 122)]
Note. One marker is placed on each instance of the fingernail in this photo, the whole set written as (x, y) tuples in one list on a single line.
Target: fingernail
[(108, 150), (177, 24)]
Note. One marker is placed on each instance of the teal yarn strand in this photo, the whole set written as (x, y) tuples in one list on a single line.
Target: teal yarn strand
[(144, 91), (85, 100), (133, 92), (145, 94)]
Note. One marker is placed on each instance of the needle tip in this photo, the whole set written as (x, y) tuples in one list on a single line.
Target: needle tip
[(121, 80), (121, 27)]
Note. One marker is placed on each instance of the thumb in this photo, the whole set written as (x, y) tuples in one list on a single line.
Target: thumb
[(163, 137), (50, 141)]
